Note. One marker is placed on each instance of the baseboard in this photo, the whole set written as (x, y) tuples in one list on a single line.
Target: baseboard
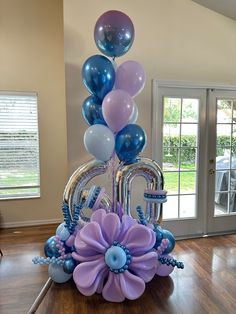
[(28, 223)]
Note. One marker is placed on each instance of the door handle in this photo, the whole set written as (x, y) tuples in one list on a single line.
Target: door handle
[(211, 171)]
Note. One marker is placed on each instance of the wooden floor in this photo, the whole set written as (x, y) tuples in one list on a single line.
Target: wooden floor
[(206, 285)]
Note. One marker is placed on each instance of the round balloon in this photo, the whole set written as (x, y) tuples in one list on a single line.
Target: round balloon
[(99, 141), (57, 273), (92, 110), (98, 75), (50, 248), (69, 265), (168, 235), (134, 116), (164, 270), (130, 76), (130, 141), (117, 108), (62, 232), (159, 236), (114, 33)]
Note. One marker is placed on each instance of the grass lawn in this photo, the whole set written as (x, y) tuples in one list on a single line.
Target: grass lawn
[(187, 180), (17, 179)]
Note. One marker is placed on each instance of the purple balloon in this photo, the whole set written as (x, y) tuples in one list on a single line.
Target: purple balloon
[(114, 33), (130, 76), (117, 108), (164, 270)]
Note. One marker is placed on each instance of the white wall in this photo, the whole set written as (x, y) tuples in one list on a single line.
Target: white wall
[(32, 59), (175, 40)]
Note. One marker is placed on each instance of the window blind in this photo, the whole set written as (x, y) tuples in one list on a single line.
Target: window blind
[(19, 146)]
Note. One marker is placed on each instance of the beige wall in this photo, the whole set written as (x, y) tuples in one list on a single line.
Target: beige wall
[(32, 59), (175, 40)]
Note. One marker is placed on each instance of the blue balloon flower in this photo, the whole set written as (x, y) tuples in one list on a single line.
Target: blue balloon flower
[(130, 141), (98, 75), (92, 110)]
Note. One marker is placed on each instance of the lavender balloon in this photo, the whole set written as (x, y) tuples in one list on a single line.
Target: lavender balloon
[(114, 33), (117, 108), (130, 76), (164, 270)]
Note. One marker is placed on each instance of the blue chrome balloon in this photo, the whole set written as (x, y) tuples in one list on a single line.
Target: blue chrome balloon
[(98, 75), (69, 265), (114, 33), (92, 111), (159, 236), (50, 248), (130, 141), (168, 235)]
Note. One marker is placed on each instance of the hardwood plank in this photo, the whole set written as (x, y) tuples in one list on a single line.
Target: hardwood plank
[(21, 280), (206, 285)]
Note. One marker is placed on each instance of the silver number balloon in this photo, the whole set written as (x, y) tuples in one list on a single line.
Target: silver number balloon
[(150, 170), (75, 191)]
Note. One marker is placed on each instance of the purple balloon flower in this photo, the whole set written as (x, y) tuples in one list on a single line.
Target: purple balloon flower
[(115, 255)]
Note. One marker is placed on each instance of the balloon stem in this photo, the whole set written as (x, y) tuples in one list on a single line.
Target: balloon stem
[(113, 165)]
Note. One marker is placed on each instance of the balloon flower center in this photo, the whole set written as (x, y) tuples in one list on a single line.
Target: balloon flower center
[(117, 258)]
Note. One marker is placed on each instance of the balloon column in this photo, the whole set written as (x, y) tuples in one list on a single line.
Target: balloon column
[(100, 244), (112, 91)]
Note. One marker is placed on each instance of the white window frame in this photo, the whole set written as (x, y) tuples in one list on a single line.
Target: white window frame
[(24, 187)]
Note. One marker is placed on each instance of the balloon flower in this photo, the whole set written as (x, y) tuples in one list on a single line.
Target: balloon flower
[(114, 257)]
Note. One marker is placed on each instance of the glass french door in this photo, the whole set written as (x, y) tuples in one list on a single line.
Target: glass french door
[(181, 137), (221, 214), (194, 141)]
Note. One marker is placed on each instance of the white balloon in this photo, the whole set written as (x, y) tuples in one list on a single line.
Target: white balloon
[(134, 115), (99, 141), (57, 273), (62, 232)]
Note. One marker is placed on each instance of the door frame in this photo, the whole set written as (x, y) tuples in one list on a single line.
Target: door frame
[(216, 223), (157, 120)]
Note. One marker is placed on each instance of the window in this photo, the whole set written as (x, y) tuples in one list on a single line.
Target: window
[(180, 150), (19, 146)]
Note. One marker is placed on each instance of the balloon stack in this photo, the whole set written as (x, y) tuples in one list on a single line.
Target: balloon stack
[(100, 244)]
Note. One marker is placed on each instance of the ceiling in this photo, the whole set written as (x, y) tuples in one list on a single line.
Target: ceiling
[(225, 7)]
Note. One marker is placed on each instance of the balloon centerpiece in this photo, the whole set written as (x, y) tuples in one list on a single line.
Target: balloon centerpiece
[(109, 251)]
